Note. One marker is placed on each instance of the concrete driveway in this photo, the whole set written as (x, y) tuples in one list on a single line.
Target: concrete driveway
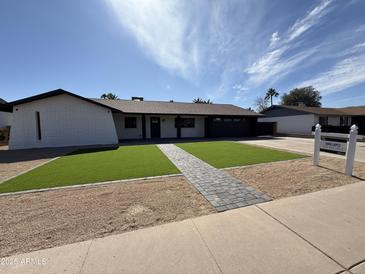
[(320, 232), (303, 145)]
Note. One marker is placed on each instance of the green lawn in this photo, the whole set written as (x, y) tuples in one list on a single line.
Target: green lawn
[(89, 166), (228, 154)]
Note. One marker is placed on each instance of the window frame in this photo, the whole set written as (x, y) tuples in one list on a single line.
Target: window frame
[(217, 120), (325, 122), (227, 120), (130, 122), (343, 119), (184, 123)]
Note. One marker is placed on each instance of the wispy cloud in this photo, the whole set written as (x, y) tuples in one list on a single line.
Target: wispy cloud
[(360, 28), (311, 19), (276, 63), (272, 66), (240, 87), (162, 31), (358, 99), (220, 44), (353, 50), (346, 73), (274, 39), (194, 38), (240, 91)]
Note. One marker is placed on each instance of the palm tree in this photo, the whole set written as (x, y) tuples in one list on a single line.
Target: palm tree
[(202, 101), (271, 93), (109, 95)]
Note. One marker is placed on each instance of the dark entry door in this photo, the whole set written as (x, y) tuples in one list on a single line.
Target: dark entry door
[(155, 127)]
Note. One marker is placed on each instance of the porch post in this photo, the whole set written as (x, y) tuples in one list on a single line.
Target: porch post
[(143, 127), (178, 127)]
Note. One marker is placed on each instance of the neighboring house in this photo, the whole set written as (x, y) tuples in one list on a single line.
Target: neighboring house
[(60, 118), (301, 119), (5, 117)]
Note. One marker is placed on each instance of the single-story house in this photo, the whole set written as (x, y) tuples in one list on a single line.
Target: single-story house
[(5, 117), (300, 119), (61, 118)]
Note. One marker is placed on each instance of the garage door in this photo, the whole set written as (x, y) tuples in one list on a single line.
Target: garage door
[(229, 127)]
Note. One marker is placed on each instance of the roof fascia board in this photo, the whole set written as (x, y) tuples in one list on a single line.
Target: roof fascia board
[(191, 114), (56, 93)]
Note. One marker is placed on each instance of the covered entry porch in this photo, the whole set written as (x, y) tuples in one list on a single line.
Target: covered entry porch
[(145, 126)]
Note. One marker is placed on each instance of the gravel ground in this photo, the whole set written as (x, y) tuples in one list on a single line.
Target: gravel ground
[(14, 162), (41, 220), (295, 177)]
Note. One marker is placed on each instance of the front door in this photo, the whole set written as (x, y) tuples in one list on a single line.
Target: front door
[(155, 127)]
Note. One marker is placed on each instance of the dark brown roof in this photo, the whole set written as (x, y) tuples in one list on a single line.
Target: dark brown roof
[(326, 111), (2, 101), (158, 107), (316, 110), (360, 110), (147, 107)]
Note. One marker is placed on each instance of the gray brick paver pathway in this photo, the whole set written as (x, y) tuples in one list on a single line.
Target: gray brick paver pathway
[(220, 189)]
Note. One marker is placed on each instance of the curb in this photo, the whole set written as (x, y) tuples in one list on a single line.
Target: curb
[(90, 185)]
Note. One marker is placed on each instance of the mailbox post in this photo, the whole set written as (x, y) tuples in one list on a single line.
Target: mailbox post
[(335, 146), (351, 148), (317, 144)]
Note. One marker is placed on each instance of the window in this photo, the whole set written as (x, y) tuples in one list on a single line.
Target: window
[(344, 121), (227, 120), (323, 121), (130, 122), (185, 122), (38, 125)]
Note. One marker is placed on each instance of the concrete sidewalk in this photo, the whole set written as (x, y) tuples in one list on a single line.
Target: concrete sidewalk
[(321, 232), (303, 145), (220, 189)]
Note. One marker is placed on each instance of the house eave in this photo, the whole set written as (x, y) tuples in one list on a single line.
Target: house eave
[(52, 93)]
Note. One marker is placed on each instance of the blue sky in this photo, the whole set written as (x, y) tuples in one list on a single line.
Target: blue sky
[(228, 51)]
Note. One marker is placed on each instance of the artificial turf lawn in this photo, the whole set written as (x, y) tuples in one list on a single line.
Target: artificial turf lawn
[(90, 166), (228, 154)]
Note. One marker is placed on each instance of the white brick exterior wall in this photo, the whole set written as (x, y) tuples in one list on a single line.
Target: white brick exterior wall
[(167, 123), (65, 121), (127, 133), (168, 129), (197, 131)]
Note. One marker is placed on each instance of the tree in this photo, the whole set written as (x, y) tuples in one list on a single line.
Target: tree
[(202, 101), (261, 104), (271, 93), (109, 95), (308, 96)]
